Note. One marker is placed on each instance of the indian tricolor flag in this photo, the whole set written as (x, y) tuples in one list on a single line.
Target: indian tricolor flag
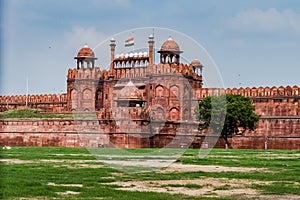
[(129, 42)]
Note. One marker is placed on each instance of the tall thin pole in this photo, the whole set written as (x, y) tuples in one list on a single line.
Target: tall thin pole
[(133, 40), (26, 91)]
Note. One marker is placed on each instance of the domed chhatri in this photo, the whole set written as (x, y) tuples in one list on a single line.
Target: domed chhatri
[(196, 62), (86, 52), (85, 55), (197, 66), (170, 52), (170, 45)]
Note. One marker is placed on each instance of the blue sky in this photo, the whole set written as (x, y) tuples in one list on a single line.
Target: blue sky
[(254, 43)]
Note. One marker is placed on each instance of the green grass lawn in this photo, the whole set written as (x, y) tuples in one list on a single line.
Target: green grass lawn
[(35, 113), (48, 173), (31, 113)]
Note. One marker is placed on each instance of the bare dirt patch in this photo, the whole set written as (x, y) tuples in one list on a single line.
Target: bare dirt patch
[(177, 167), (71, 154), (19, 161), (67, 192), (15, 161), (273, 197), (223, 156), (207, 186), (150, 163), (32, 198), (77, 166), (278, 156), (71, 164), (65, 185), (65, 160)]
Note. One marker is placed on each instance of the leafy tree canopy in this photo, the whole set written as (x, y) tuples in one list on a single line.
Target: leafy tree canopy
[(227, 114)]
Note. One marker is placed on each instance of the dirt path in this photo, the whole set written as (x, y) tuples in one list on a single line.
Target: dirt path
[(178, 167), (211, 187)]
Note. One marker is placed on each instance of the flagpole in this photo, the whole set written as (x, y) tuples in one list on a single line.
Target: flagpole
[(133, 43)]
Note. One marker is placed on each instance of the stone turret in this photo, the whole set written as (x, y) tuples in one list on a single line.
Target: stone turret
[(170, 52), (85, 55)]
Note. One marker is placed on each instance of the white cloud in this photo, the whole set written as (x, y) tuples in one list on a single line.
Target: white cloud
[(80, 36), (270, 20)]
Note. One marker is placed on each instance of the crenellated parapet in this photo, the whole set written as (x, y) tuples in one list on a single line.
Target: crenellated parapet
[(253, 93), (85, 73), (275, 101), (43, 98), (265, 91), (205, 92), (45, 102)]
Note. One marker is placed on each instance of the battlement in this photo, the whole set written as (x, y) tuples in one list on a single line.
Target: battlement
[(42, 98), (266, 92), (260, 92), (86, 73), (45, 102)]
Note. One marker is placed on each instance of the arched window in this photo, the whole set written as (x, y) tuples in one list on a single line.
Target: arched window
[(73, 94), (160, 114), (165, 58), (174, 91), (127, 64), (159, 91), (174, 114), (87, 94), (141, 63)]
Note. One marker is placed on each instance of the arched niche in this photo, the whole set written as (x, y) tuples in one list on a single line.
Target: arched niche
[(159, 91)]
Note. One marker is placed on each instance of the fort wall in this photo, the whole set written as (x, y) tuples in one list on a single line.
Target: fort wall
[(272, 133), (53, 103), (267, 97)]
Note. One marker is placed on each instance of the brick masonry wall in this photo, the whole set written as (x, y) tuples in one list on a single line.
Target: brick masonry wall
[(92, 133), (50, 132)]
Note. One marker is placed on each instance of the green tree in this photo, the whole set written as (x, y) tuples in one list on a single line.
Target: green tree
[(227, 115)]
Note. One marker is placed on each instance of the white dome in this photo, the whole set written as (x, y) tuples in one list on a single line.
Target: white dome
[(131, 55), (145, 54), (140, 54), (126, 55), (122, 55), (135, 54), (117, 56)]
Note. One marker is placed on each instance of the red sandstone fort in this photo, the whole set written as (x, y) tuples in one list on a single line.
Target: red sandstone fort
[(138, 103)]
